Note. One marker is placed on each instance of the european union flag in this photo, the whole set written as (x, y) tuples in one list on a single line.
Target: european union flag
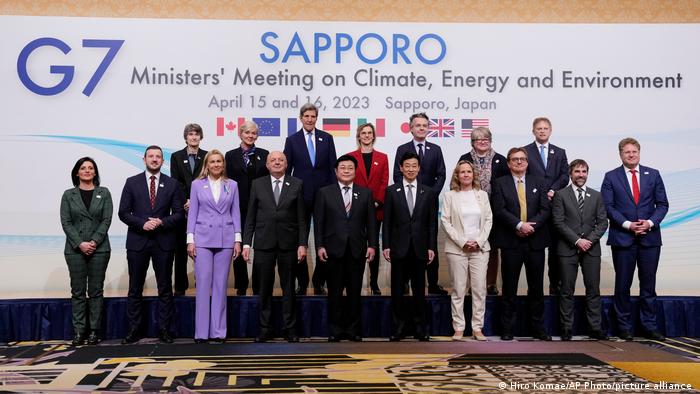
[(268, 127)]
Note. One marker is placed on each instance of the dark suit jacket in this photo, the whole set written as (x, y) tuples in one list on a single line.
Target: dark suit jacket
[(180, 169), (299, 163), (280, 225), (236, 170), (334, 230), (399, 229), (556, 175), (432, 168), (619, 202), (499, 165), (378, 177), (573, 224), (81, 225), (506, 212), (135, 209)]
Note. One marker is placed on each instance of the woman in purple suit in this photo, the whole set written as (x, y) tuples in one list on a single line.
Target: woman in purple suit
[(213, 240)]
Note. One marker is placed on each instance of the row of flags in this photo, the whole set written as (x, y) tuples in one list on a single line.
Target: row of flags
[(342, 127)]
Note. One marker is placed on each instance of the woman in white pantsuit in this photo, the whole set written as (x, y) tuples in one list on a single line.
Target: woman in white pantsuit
[(467, 220)]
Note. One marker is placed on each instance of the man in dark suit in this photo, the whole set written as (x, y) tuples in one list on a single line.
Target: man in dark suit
[(185, 166), (521, 213), (409, 240), (432, 175), (635, 198), (243, 165), (152, 206), (344, 231), (548, 161), (579, 216), (311, 156), (277, 221)]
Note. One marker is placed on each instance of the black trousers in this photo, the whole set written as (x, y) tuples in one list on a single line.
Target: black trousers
[(138, 267), (264, 264), (590, 268), (433, 269), (300, 271), (512, 261), (240, 275), (181, 258), (345, 273), (553, 264), (404, 269), (374, 263)]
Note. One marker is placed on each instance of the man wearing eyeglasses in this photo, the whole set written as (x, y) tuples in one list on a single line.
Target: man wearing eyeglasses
[(521, 214)]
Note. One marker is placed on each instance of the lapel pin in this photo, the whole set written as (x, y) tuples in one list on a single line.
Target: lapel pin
[(320, 139), (498, 160), (588, 195), (551, 151), (398, 190), (206, 186), (286, 183), (98, 196), (185, 161), (646, 172), (162, 185), (427, 147), (534, 190), (376, 164)]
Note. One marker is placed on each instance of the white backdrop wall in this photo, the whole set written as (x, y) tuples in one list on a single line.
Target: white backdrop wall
[(107, 88)]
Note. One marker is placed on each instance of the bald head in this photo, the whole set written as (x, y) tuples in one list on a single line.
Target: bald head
[(276, 163)]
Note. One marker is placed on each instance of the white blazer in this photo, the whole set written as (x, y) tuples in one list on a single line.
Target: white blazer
[(452, 223)]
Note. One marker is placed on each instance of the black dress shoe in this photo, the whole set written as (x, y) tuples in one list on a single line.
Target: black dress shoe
[(262, 338), (131, 337), (333, 338), (422, 337), (217, 340), (492, 290), (319, 291), (437, 290), (599, 335), (241, 292), (542, 336), (178, 293), (396, 337), (554, 291), (301, 291), (292, 338), (200, 340), (654, 335), (376, 291), (356, 338), (566, 335), (93, 339), (78, 339), (507, 336), (625, 336), (165, 337)]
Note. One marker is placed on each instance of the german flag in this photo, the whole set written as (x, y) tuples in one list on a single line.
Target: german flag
[(337, 127)]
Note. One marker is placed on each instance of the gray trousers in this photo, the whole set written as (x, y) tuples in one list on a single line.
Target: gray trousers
[(590, 268), (87, 279)]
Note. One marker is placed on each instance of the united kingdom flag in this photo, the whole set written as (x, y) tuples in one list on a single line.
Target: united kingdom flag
[(441, 128)]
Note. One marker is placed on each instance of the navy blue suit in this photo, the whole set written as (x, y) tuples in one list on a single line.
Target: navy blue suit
[(629, 250), (556, 176), (158, 245), (314, 177), (432, 174)]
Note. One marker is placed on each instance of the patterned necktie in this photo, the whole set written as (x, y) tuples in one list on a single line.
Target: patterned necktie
[(277, 191), (420, 152), (152, 190), (247, 154), (521, 200), (635, 187), (192, 162), (543, 155), (310, 147), (409, 199), (347, 200), (580, 199)]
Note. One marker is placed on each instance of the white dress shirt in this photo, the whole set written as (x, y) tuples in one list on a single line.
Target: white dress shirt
[(148, 181)]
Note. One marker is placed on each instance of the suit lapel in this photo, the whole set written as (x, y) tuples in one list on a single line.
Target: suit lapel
[(550, 156), (573, 199), (419, 198), (362, 169), (78, 201), (96, 202), (401, 192), (284, 191), (622, 177), (339, 198)]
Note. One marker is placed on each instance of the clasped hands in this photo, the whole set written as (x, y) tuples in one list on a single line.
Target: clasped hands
[(526, 229), (323, 254), (152, 224), (640, 227), (88, 247)]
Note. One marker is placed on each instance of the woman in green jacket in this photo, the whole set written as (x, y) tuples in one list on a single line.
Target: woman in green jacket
[(86, 214)]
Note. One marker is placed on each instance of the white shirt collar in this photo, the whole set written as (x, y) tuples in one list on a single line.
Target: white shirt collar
[(148, 176), (573, 186), (628, 170), (414, 183), (342, 186), (212, 180), (546, 146), (273, 179)]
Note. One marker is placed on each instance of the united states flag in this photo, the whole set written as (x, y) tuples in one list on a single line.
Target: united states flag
[(470, 124), (441, 128)]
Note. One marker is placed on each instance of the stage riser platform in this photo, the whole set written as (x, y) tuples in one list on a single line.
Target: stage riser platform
[(45, 319)]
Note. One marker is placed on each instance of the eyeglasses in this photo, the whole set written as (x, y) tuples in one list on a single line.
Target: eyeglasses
[(518, 159)]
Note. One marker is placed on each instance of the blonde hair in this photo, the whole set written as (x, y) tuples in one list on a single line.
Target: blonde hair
[(205, 168), (454, 181), (359, 129)]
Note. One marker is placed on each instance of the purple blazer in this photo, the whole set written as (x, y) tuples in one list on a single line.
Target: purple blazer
[(214, 224)]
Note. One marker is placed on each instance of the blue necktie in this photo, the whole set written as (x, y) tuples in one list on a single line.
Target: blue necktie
[(310, 146), (192, 162), (543, 155)]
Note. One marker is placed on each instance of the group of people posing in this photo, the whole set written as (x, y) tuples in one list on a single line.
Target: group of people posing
[(251, 206)]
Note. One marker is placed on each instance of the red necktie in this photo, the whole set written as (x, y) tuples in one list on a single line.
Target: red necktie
[(635, 187), (153, 191)]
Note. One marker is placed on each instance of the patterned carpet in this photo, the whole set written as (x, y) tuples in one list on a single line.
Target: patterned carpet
[(315, 366)]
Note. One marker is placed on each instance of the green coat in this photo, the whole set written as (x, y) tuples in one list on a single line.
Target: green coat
[(81, 225)]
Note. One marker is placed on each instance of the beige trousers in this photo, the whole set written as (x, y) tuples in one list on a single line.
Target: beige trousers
[(468, 272)]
